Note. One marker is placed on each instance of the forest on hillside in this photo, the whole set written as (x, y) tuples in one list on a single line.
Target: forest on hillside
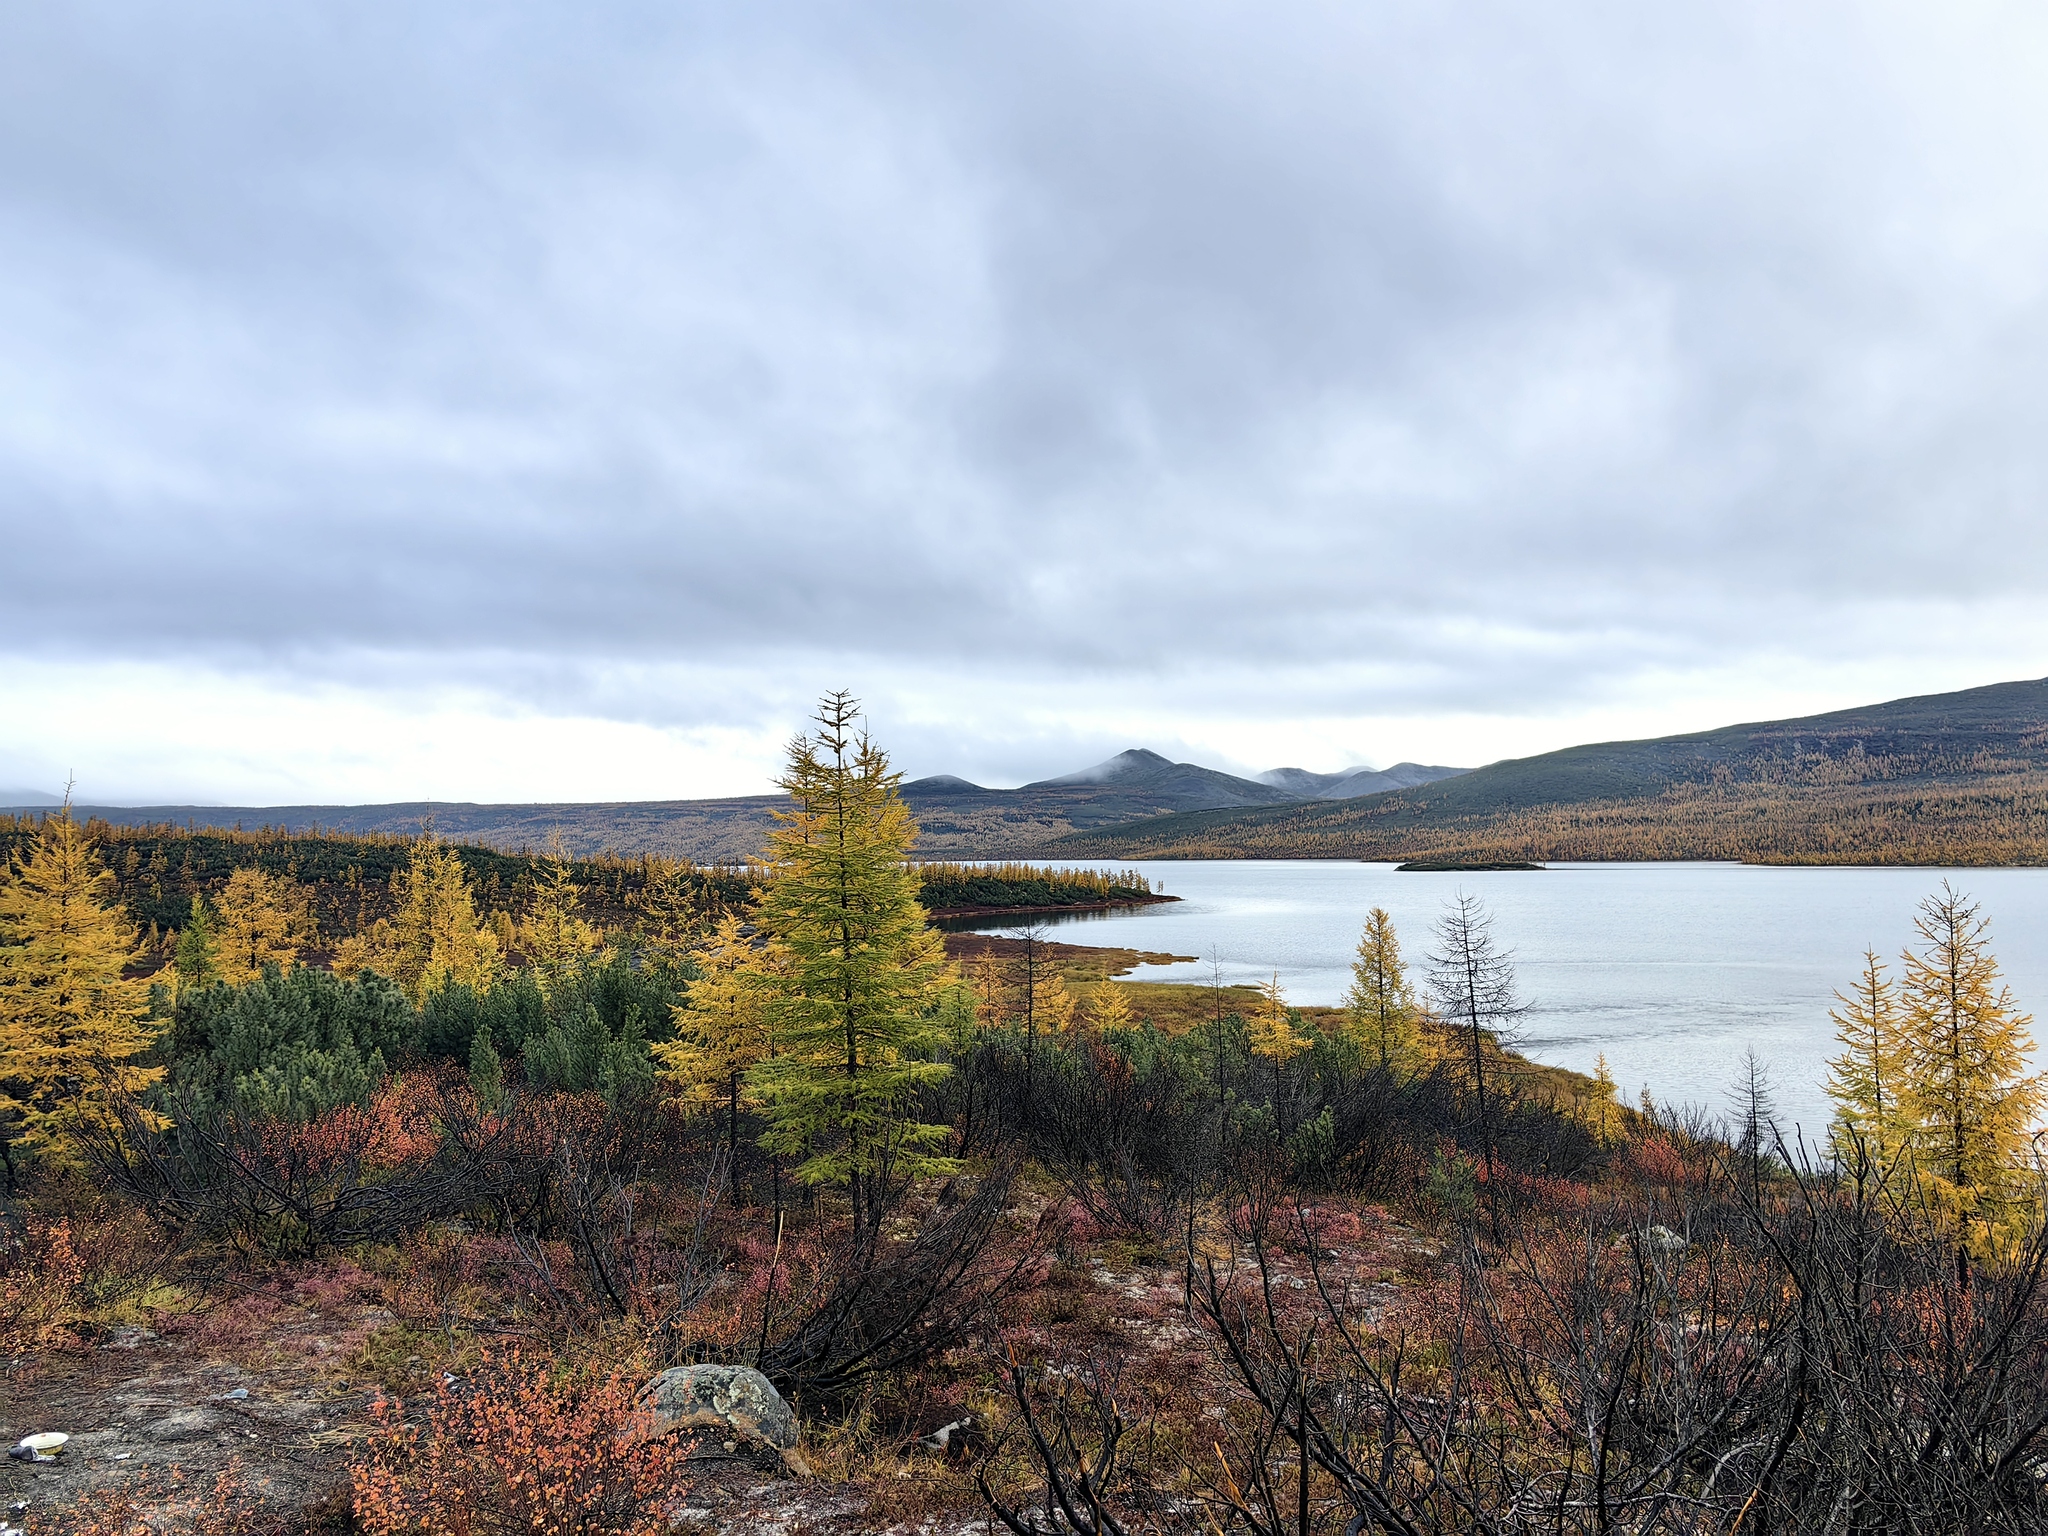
[(346, 881), (401, 1188), (1810, 818)]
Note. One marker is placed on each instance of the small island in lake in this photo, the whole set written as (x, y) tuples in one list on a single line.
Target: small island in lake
[(1460, 866)]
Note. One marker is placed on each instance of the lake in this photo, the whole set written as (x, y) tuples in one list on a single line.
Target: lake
[(1671, 969)]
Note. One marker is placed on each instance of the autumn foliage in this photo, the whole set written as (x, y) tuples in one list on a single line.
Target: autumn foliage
[(511, 1448)]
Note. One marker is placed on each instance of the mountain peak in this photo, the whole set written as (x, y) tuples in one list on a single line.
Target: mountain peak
[(942, 783), (1130, 763), (1300, 781)]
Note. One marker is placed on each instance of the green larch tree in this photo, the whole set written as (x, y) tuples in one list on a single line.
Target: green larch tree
[(858, 969), (195, 960), (1603, 1113), (71, 1024)]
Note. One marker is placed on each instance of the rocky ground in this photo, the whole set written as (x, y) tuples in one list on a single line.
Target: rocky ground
[(252, 1388), (265, 1389)]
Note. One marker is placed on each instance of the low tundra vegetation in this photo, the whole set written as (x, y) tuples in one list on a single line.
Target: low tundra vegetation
[(1016, 1246)]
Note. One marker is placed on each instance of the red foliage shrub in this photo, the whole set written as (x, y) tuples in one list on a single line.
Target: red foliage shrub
[(1327, 1226), (513, 1450), (1078, 1225), (1658, 1162), (40, 1276)]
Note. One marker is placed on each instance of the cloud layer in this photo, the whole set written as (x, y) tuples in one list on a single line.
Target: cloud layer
[(1291, 382)]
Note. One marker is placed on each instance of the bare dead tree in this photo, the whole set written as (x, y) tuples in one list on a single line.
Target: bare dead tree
[(1473, 981), (1076, 1432), (1029, 968), (883, 1307)]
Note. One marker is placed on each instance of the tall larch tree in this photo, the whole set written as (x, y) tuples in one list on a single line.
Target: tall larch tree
[(1380, 1008), (71, 1025), (1867, 1081), (1968, 1092), (721, 1027), (264, 919), (858, 970)]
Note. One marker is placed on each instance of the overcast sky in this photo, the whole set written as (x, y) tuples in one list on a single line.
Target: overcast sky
[(438, 400)]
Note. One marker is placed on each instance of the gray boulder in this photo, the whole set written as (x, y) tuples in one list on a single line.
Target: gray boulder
[(734, 1398)]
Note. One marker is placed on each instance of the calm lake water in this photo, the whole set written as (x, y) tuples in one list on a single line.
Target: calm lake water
[(1671, 969)]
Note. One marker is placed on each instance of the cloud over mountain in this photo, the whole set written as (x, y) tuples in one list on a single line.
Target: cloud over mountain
[(1315, 382)]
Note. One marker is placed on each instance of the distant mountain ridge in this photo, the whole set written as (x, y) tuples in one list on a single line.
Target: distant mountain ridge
[(1350, 783), (1955, 777), (959, 819)]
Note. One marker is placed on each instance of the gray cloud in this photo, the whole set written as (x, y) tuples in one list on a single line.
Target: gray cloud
[(1314, 359)]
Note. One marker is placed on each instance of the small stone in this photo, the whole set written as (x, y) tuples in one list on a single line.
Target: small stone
[(731, 1446)]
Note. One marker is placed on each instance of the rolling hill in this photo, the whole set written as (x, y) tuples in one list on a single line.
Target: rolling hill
[(1943, 778), (959, 819)]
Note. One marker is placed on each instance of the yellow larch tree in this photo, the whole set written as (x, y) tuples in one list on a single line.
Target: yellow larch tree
[(71, 1024), (263, 919), (1270, 1031), (1603, 1112), (553, 935), (1967, 1090), (721, 1027), (1380, 1007), (985, 978), (1108, 1009), (1054, 1012), (435, 938), (1867, 1081)]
